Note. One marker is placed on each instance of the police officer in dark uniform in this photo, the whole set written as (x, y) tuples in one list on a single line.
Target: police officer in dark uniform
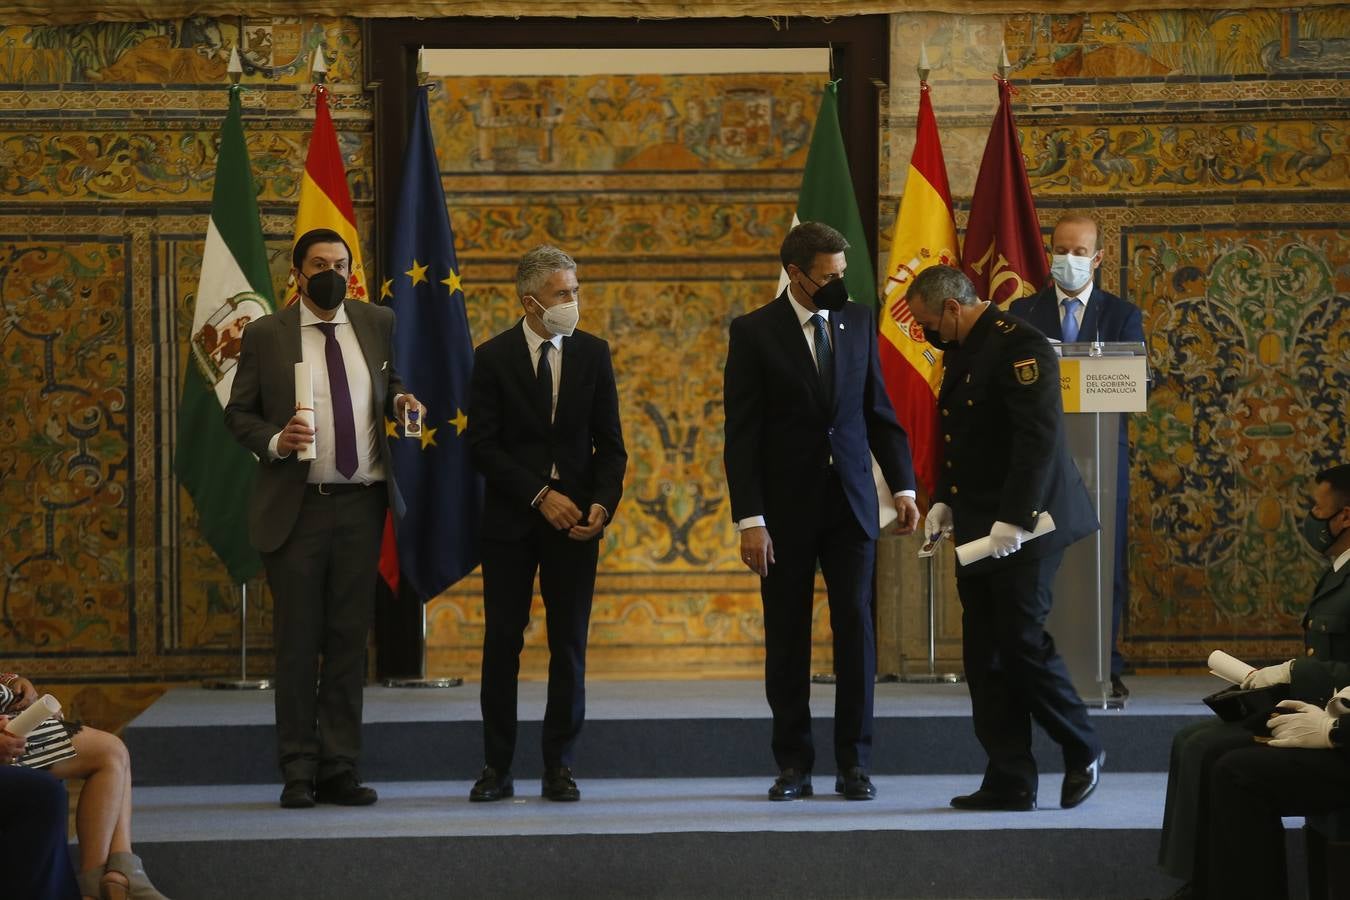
[(1005, 462)]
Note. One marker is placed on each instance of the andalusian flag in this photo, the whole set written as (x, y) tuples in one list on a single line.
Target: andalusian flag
[(827, 196), (924, 235), (325, 201), (235, 288), (1004, 251)]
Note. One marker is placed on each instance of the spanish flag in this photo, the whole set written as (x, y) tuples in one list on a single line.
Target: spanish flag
[(924, 235), (325, 201)]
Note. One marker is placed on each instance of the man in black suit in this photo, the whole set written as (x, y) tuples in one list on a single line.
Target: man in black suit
[(544, 431), (318, 524), (1004, 463), (1072, 308), (806, 410)]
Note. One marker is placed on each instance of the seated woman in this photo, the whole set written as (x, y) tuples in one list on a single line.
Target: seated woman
[(108, 868)]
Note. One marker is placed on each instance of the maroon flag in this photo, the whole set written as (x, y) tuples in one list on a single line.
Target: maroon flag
[(1003, 252)]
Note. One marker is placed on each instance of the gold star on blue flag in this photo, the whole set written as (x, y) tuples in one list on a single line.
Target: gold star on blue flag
[(438, 534)]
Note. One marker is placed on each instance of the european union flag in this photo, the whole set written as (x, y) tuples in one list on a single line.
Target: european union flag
[(438, 536)]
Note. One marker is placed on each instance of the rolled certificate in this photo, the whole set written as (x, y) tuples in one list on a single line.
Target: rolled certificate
[(982, 548), (304, 405), (42, 709), (1229, 668)]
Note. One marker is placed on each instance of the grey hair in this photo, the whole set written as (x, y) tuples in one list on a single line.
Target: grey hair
[(936, 283), (537, 267)]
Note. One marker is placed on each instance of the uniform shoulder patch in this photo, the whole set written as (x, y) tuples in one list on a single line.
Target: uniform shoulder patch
[(1027, 371), (1005, 326)]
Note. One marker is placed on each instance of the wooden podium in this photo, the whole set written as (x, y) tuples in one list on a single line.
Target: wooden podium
[(1099, 383)]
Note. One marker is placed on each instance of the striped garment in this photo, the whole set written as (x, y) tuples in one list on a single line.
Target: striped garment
[(49, 743)]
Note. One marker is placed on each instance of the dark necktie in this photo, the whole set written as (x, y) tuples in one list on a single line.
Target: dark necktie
[(340, 395), (1070, 328), (544, 378), (824, 357)]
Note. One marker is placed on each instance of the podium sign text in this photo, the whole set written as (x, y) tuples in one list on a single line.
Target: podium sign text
[(1107, 384)]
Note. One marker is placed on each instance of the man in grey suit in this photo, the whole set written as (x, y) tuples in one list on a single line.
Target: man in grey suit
[(318, 524)]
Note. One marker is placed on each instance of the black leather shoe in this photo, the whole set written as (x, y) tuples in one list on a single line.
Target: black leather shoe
[(791, 784), (1118, 689), (492, 785), (996, 801), (344, 789), (854, 784), (558, 785), (298, 794), (1080, 783)]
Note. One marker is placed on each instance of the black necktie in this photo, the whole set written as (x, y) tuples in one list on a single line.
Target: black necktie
[(544, 378), (824, 357)]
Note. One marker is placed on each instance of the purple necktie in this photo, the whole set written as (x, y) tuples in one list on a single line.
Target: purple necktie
[(344, 427)]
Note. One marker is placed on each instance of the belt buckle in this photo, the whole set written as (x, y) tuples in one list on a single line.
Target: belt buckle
[(322, 491)]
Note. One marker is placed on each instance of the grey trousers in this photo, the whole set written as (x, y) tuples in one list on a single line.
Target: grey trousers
[(323, 590)]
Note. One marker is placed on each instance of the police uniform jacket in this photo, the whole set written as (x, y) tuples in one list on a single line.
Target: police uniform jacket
[(1004, 455), (1325, 666)]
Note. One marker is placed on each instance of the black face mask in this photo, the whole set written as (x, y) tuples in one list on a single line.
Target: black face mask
[(1317, 532), (934, 337), (327, 289), (831, 295)]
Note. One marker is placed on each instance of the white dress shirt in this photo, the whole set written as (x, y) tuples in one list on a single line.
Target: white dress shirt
[(809, 333), (367, 419), (1340, 561)]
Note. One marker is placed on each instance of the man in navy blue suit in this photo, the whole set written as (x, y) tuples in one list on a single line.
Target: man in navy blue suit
[(806, 410), (1072, 308)]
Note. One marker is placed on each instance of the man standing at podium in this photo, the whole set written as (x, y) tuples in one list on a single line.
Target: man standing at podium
[(1073, 309), (1006, 462)]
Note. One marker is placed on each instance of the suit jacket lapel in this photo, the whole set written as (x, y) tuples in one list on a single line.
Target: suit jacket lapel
[(788, 332), (1047, 314), (840, 343), (1092, 317), (571, 371), (289, 317), (371, 350)]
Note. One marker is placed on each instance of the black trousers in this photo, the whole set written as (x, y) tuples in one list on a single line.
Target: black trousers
[(34, 855), (1185, 836), (567, 582), (1250, 789), (826, 531), (1015, 674), (323, 590)]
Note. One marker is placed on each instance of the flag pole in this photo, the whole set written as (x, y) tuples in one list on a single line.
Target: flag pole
[(243, 682), (932, 676), (422, 681)]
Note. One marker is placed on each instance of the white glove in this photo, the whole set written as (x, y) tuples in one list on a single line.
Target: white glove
[(1301, 725), (938, 520), (1005, 539), (1269, 676)]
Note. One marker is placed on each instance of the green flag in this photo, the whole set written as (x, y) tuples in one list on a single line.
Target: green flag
[(827, 196), (235, 288)]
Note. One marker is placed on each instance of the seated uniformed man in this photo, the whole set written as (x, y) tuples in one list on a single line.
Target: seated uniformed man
[(1324, 668)]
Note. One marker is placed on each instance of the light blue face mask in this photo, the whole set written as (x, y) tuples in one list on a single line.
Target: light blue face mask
[(1071, 273)]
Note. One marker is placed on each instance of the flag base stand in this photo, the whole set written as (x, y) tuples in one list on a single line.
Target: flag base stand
[(243, 682), (421, 680), (932, 676)]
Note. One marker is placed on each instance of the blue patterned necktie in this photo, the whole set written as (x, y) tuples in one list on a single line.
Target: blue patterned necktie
[(1070, 328), (340, 396), (824, 356)]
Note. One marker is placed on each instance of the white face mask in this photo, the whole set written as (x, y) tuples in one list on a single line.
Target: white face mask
[(1071, 273), (561, 319)]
